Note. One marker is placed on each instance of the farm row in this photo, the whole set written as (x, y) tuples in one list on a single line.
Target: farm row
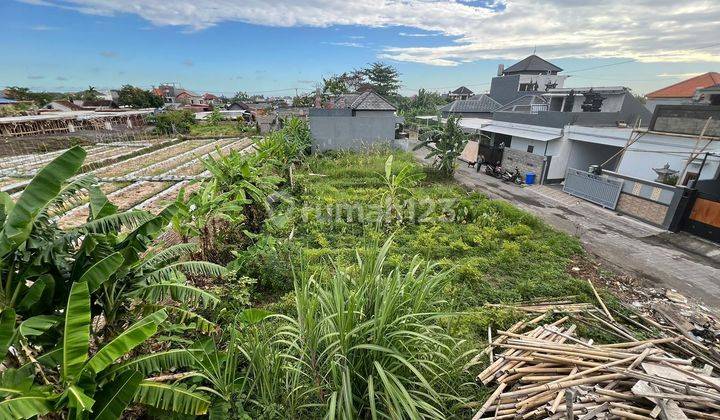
[(130, 179)]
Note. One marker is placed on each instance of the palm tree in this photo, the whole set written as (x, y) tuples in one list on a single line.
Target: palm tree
[(91, 94)]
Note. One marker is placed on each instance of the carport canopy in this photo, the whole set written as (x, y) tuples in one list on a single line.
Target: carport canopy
[(519, 132)]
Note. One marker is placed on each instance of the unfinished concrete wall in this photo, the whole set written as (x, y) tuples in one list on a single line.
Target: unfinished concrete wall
[(524, 161), (338, 130)]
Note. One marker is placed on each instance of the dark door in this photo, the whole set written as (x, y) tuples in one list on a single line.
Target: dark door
[(703, 217)]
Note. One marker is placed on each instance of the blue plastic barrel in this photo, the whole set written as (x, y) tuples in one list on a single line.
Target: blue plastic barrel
[(530, 178)]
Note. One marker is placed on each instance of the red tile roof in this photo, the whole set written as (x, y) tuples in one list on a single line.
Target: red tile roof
[(686, 88), (209, 96)]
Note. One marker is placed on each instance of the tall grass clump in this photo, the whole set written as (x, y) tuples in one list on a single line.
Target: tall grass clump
[(367, 344)]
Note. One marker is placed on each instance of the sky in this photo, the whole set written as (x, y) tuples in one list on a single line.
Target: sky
[(281, 47)]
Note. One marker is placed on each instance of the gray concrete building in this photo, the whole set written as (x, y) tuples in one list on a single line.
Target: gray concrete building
[(353, 122)]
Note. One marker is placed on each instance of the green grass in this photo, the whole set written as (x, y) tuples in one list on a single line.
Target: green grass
[(221, 129), (488, 252), (495, 252)]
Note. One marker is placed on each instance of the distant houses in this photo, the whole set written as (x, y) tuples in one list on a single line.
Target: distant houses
[(704, 88), (478, 106), (460, 93), (522, 120)]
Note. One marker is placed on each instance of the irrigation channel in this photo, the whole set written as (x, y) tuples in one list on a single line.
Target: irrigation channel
[(145, 181)]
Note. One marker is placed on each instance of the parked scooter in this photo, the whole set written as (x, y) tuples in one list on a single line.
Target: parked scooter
[(515, 177), (494, 170)]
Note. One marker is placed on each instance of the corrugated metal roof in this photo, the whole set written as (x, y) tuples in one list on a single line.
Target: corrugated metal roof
[(523, 101), (478, 103), (525, 131)]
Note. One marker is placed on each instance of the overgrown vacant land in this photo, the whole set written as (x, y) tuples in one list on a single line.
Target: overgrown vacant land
[(492, 252), (474, 250), (285, 285)]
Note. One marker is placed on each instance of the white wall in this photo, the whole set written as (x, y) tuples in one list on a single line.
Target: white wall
[(648, 151), (652, 103), (653, 151), (521, 143), (558, 149)]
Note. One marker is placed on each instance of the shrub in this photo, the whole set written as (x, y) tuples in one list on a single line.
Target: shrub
[(174, 122), (366, 343)]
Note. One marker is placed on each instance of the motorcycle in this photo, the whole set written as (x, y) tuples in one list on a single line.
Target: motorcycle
[(514, 177), (494, 170)]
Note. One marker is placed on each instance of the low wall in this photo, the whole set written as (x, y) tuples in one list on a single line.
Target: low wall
[(346, 132), (649, 201)]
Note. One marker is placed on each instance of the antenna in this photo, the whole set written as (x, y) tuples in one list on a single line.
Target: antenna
[(534, 49)]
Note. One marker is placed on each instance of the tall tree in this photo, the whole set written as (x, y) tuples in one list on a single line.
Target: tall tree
[(344, 83), (383, 79), (424, 103), (240, 96), (136, 97), (90, 94)]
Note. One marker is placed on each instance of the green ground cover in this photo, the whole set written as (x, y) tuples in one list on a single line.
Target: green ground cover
[(344, 285)]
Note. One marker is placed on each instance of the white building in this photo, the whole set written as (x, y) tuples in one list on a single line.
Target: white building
[(551, 151)]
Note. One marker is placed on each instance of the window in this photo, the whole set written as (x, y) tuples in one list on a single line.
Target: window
[(530, 148)]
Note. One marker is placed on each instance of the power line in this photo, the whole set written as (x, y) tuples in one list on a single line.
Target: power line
[(601, 66), (634, 60)]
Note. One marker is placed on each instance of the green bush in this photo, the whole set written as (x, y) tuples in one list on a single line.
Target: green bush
[(174, 122)]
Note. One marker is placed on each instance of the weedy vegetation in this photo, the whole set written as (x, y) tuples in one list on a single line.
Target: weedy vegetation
[(343, 285)]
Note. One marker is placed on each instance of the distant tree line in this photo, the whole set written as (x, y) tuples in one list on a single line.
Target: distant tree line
[(128, 95)]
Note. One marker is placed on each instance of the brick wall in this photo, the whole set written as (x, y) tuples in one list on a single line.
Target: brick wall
[(642, 209), (524, 161)]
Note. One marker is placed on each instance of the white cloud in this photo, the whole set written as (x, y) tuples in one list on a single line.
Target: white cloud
[(416, 35), (643, 30), (678, 75), (43, 28), (345, 44)]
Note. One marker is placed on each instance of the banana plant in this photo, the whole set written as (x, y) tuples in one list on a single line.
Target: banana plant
[(139, 276), (445, 145), (89, 385)]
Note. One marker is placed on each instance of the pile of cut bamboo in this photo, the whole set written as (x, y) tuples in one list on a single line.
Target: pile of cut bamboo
[(544, 370)]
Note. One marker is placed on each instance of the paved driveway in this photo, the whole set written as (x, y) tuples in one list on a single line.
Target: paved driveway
[(673, 260)]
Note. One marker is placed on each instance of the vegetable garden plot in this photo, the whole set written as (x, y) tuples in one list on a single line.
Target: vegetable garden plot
[(95, 155), (127, 196), (156, 203), (36, 161)]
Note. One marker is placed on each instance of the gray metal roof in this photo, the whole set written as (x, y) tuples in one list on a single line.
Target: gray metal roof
[(365, 101), (478, 103), (533, 64), (462, 90), (523, 103)]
